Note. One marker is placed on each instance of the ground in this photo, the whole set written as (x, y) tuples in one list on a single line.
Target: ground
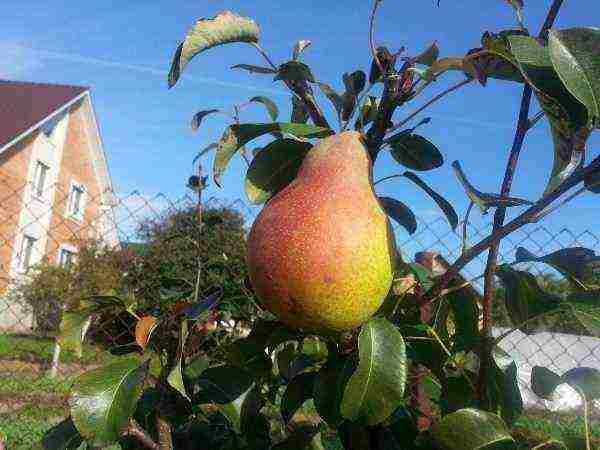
[(31, 402)]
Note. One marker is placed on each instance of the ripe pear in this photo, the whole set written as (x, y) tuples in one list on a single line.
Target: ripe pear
[(321, 253)]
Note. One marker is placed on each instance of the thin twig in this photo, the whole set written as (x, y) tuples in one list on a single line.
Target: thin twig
[(372, 37), (430, 102), (465, 223), (524, 218), (567, 199), (135, 431), (535, 119), (398, 175)]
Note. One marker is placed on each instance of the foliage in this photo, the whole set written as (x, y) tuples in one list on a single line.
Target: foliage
[(50, 289), (463, 392)]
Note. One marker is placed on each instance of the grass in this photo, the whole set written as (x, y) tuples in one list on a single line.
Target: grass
[(30, 401), (38, 349)]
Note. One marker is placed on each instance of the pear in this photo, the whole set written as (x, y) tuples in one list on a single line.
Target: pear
[(321, 254)]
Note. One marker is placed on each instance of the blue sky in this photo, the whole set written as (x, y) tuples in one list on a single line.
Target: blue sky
[(122, 50)]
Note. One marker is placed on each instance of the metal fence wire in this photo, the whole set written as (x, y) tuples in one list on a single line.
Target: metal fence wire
[(39, 229)]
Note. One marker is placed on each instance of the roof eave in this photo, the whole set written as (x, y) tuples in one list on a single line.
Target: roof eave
[(34, 127)]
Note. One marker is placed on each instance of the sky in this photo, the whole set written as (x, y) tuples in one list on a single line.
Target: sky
[(123, 50)]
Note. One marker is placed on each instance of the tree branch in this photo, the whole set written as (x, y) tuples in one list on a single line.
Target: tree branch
[(430, 102), (528, 216), (135, 431), (523, 125)]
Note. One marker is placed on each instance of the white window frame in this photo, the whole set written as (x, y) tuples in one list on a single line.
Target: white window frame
[(35, 184), (82, 201), (25, 262), (68, 249)]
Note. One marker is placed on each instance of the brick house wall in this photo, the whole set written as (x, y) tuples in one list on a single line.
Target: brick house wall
[(14, 162), (52, 126), (76, 167)]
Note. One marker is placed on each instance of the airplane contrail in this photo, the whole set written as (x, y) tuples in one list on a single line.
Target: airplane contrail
[(213, 81), (146, 69)]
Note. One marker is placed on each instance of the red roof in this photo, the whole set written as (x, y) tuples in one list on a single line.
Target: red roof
[(23, 105)]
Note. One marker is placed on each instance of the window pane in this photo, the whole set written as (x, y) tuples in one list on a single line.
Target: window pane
[(26, 251), (66, 257), (76, 200), (40, 178)]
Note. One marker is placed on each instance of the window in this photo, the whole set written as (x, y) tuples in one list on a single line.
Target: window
[(27, 247), (76, 201), (65, 257), (39, 179)]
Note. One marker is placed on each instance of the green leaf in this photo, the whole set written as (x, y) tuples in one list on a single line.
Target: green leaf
[(368, 112), (298, 391), (465, 315), (236, 136), (294, 71), (253, 425), (63, 436), (175, 378), (273, 168), (567, 116), (233, 410), (499, 62), (429, 55), (573, 262), (199, 310), (284, 359), (544, 382), (584, 379), (299, 111), (336, 99), (376, 388), (399, 212), (314, 348), (444, 205), (224, 28), (102, 400), (71, 331), (355, 81), (415, 152), (269, 104), (329, 386), (575, 54), (249, 355), (586, 308), (505, 373), (592, 182), (197, 119), (254, 69), (222, 384), (299, 48), (524, 298), (483, 200), (472, 429)]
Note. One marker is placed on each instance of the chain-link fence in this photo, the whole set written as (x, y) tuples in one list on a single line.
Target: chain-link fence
[(47, 235)]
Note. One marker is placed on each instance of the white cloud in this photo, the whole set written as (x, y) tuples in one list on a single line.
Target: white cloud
[(17, 62)]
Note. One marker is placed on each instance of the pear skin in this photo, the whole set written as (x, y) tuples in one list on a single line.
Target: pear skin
[(321, 252)]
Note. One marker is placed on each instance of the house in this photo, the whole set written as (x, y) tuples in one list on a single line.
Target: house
[(55, 187)]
